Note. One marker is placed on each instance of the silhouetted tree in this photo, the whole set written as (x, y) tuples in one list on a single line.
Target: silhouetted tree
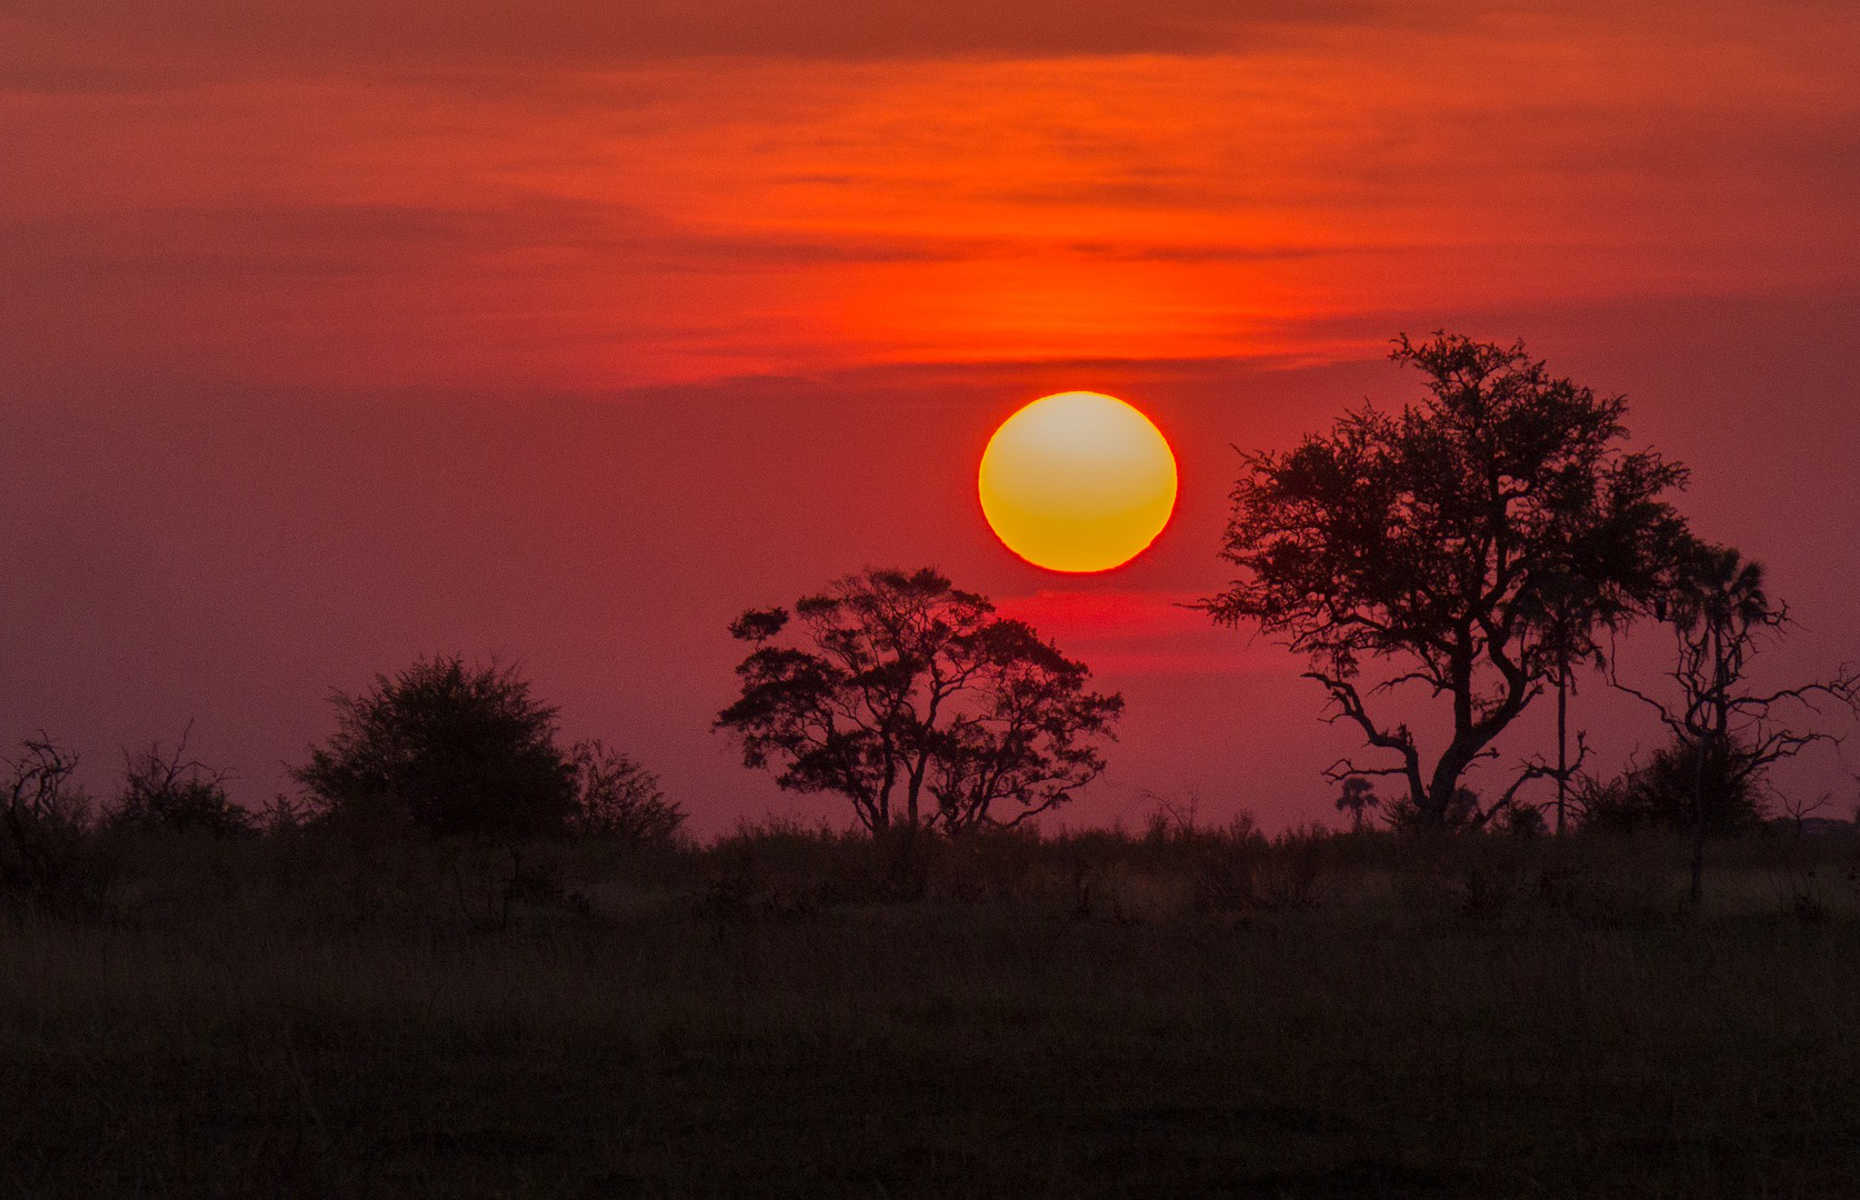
[(1478, 540), (456, 750), (1572, 605), (617, 798), (1358, 795), (913, 700), (1720, 613), (168, 790), (44, 817)]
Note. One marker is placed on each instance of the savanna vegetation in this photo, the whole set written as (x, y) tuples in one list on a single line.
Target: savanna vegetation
[(468, 959), (1172, 1011)]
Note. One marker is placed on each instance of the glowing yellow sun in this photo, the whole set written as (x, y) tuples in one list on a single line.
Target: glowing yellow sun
[(1077, 481)]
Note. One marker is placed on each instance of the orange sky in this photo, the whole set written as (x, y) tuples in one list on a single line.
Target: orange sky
[(740, 221), (286, 199)]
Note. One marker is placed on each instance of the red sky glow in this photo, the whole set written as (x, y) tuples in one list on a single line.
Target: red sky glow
[(336, 333)]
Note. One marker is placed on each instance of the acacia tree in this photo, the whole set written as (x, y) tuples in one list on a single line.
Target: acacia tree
[(1720, 612), (1477, 542), (912, 699)]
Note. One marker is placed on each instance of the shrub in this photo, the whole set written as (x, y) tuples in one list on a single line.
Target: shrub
[(1460, 813), (168, 792), (456, 750), (1658, 794), (618, 799), (46, 858)]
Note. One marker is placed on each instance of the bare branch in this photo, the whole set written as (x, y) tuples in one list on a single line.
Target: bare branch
[(1344, 769)]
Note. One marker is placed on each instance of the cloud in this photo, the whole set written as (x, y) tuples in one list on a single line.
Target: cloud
[(312, 240), (106, 43), (467, 207)]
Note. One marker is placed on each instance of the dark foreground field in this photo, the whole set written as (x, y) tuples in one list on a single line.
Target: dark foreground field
[(1348, 1018)]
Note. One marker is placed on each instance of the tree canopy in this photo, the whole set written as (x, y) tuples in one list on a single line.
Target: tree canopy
[(455, 749), (915, 701), (1474, 542)]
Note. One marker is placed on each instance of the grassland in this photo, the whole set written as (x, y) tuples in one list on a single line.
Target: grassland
[(1183, 1014)]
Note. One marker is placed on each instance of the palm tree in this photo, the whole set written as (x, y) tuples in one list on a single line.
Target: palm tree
[(1719, 606), (1358, 794), (1720, 611)]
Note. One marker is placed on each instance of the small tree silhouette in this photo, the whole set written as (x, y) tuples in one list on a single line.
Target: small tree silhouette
[(44, 818), (1358, 795), (618, 799), (168, 790), (913, 700), (454, 749), (1720, 613)]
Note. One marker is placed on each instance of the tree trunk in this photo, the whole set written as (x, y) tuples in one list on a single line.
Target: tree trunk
[(1562, 739), (1445, 785), (1710, 741), (1698, 825)]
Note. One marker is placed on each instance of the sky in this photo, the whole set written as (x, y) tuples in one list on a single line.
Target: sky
[(334, 334)]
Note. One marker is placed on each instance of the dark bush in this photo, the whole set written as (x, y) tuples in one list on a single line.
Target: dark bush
[(1461, 812), (1659, 793), (455, 750), (166, 791), (618, 799), (47, 859)]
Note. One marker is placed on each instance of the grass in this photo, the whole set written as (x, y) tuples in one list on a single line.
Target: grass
[(1097, 1015)]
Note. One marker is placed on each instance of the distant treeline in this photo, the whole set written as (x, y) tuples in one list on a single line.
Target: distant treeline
[(338, 876)]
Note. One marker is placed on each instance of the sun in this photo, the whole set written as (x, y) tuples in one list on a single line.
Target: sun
[(1077, 481)]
